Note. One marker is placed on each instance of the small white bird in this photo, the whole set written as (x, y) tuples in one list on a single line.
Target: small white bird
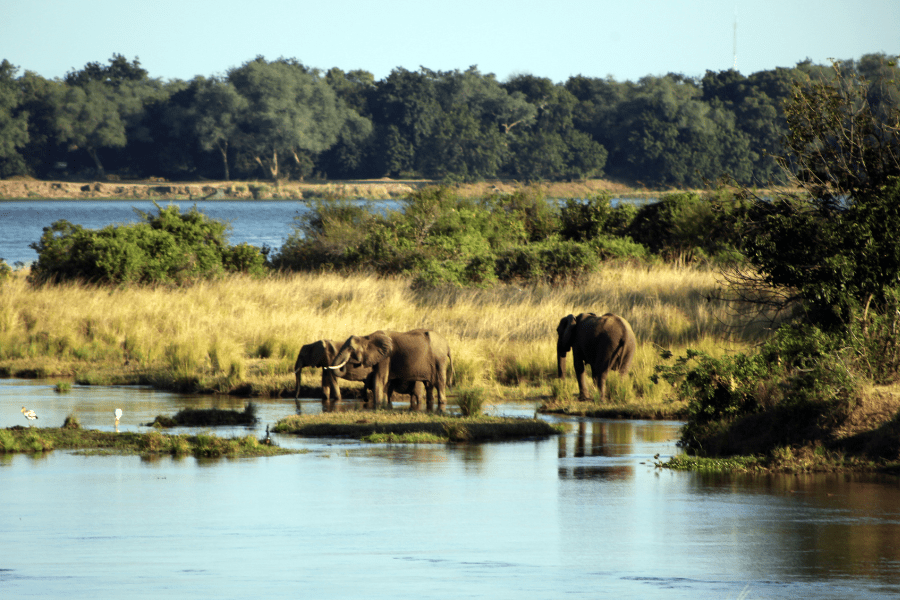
[(29, 414), (118, 415)]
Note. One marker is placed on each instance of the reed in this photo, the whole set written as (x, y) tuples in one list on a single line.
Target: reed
[(239, 334)]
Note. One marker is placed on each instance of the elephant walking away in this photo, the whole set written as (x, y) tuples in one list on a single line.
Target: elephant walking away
[(321, 354), (420, 355), (606, 343)]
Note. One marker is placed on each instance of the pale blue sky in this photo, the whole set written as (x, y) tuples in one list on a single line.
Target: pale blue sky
[(624, 39)]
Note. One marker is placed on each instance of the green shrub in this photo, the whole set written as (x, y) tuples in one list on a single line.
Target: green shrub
[(553, 261), (5, 270), (169, 247), (802, 376), (680, 223), (470, 401)]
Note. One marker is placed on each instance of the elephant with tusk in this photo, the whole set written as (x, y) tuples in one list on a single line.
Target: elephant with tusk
[(321, 354), (399, 360), (606, 343)]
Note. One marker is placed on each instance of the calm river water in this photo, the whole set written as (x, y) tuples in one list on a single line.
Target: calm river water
[(22, 222), (585, 514)]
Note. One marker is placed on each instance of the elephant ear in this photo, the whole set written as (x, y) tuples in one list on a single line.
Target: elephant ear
[(329, 352), (379, 346), (565, 329)]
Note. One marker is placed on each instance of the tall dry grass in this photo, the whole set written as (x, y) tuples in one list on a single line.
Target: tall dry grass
[(237, 331)]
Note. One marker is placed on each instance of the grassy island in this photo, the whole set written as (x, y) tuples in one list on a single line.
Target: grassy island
[(152, 443), (412, 427)]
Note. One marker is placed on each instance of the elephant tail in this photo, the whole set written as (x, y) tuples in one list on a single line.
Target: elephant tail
[(451, 376), (618, 356)]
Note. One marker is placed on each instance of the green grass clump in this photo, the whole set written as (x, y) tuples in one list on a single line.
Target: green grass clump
[(208, 417), (400, 426), (470, 401), (33, 440)]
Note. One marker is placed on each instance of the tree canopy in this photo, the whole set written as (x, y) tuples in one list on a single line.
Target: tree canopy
[(281, 118)]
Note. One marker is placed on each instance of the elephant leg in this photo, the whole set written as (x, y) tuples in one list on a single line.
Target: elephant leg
[(417, 389), (581, 376), (601, 384), (441, 396), (378, 392), (429, 395), (326, 387)]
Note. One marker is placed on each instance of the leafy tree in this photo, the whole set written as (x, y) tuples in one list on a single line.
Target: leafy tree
[(100, 103), (551, 147), (40, 98), (404, 108), (215, 114), (13, 124), (836, 247), (291, 111)]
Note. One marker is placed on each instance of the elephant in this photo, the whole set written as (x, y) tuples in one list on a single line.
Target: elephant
[(420, 355), (606, 343), (321, 354), (414, 389)]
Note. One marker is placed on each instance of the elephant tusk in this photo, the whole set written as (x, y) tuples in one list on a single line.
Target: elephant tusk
[(338, 366)]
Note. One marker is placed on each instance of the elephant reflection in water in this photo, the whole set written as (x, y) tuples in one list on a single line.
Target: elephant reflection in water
[(606, 343)]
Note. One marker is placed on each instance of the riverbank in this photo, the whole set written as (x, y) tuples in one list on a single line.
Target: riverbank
[(240, 335), (385, 188)]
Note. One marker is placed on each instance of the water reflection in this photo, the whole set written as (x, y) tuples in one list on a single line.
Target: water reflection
[(585, 514), (606, 449)]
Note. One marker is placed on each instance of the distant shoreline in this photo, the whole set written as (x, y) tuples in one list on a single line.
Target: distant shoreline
[(26, 188)]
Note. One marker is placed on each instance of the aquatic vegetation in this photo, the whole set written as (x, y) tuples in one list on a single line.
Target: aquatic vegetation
[(207, 417), (397, 426), (90, 441)]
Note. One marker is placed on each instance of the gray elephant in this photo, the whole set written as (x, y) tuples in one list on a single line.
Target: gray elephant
[(420, 355), (607, 343), (414, 389), (321, 354)]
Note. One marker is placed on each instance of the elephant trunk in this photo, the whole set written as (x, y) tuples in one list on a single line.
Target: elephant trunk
[(561, 366)]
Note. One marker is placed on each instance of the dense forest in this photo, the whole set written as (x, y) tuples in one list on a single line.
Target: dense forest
[(282, 119)]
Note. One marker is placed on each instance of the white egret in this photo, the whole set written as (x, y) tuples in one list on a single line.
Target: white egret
[(29, 414), (118, 415)]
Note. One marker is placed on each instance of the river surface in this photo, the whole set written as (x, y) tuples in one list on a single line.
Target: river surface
[(257, 222), (586, 515)]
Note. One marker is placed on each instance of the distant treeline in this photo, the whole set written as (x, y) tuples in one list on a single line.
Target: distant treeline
[(282, 119)]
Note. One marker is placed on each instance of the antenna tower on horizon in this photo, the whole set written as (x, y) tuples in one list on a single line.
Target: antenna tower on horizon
[(734, 45)]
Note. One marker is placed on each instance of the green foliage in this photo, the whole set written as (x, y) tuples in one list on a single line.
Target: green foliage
[(836, 247), (5, 270), (689, 225), (470, 401), (208, 417), (801, 373), (554, 262), (13, 123), (169, 247)]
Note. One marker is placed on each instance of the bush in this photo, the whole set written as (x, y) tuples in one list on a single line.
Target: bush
[(680, 223), (554, 262), (470, 401), (5, 270), (802, 373), (169, 247)]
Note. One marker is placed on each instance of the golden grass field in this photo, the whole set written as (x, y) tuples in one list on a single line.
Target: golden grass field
[(241, 335)]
